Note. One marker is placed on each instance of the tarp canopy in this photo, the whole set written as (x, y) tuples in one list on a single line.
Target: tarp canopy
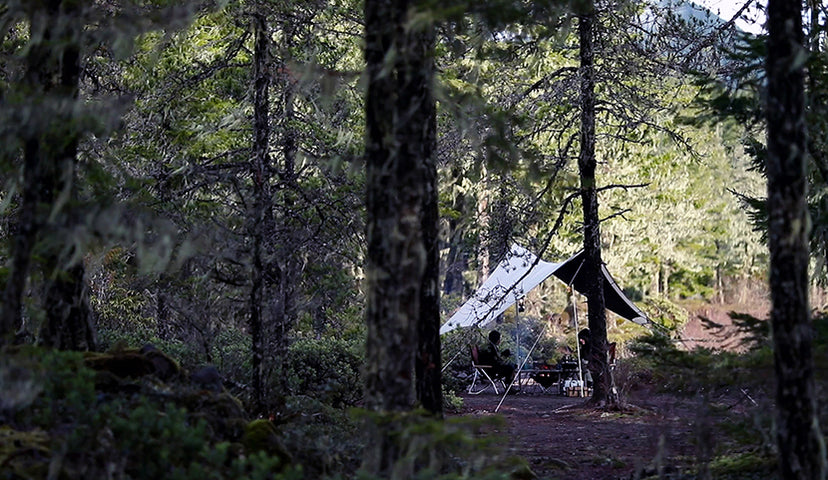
[(519, 273)]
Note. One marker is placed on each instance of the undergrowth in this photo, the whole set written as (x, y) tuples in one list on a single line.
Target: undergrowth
[(734, 426), (63, 420)]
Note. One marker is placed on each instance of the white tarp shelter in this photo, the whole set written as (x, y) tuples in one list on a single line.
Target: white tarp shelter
[(519, 273)]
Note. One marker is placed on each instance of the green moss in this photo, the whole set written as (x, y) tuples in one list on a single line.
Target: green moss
[(128, 364), (23, 454), (741, 464)]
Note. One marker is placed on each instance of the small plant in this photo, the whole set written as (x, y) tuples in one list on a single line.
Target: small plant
[(451, 401), (744, 465), (324, 440)]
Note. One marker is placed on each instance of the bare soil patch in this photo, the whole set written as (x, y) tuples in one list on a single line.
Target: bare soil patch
[(710, 326), (562, 438)]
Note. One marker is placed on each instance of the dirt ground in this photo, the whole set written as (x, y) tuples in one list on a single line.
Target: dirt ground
[(561, 438), (658, 434)]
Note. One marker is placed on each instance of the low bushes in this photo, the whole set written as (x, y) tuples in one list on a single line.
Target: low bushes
[(327, 369), (70, 421)]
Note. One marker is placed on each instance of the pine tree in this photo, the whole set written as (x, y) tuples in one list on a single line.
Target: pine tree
[(800, 442), (401, 188), (598, 365)]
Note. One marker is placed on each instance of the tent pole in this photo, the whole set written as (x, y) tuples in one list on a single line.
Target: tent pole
[(517, 327), (520, 368), (450, 361), (574, 300)]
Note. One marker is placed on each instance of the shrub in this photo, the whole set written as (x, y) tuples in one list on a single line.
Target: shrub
[(455, 351), (231, 355), (62, 426), (689, 284), (686, 372), (61, 387), (327, 369), (450, 449), (451, 401), (325, 440), (665, 313)]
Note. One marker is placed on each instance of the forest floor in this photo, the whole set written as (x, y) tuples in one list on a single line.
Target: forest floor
[(561, 438), (656, 434)]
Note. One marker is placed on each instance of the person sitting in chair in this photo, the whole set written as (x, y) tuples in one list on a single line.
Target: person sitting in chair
[(491, 355)]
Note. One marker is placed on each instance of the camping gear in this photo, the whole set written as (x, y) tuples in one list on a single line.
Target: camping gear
[(519, 273), (480, 372), (575, 388), (545, 376)]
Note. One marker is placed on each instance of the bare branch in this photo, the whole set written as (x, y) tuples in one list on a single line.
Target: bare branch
[(621, 185)]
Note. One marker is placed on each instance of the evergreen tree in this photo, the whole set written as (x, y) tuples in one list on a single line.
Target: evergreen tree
[(799, 439), (428, 362), (400, 206), (261, 216), (47, 119), (598, 364)]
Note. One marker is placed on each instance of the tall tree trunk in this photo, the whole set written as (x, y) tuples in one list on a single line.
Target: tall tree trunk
[(483, 251), (817, 144), (162, 309), (285, 317), (429, 382), (40, 79), (801, 445), (397, 154), (456, 260), (598, 365), (501, 227), (68, 323), (262, 204), (27, 226), (49, 161)]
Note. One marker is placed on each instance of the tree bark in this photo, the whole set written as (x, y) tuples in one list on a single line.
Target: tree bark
[(399, 106), (262, 204), (428, 379), (285, 315), (599, 368), (22, 244), (801, 445), (483, 251), (68, 324)]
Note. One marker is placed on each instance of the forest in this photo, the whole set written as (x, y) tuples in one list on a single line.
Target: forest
[(230, 232)]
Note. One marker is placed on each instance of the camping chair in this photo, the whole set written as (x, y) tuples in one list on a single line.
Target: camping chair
[(480, 370)]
